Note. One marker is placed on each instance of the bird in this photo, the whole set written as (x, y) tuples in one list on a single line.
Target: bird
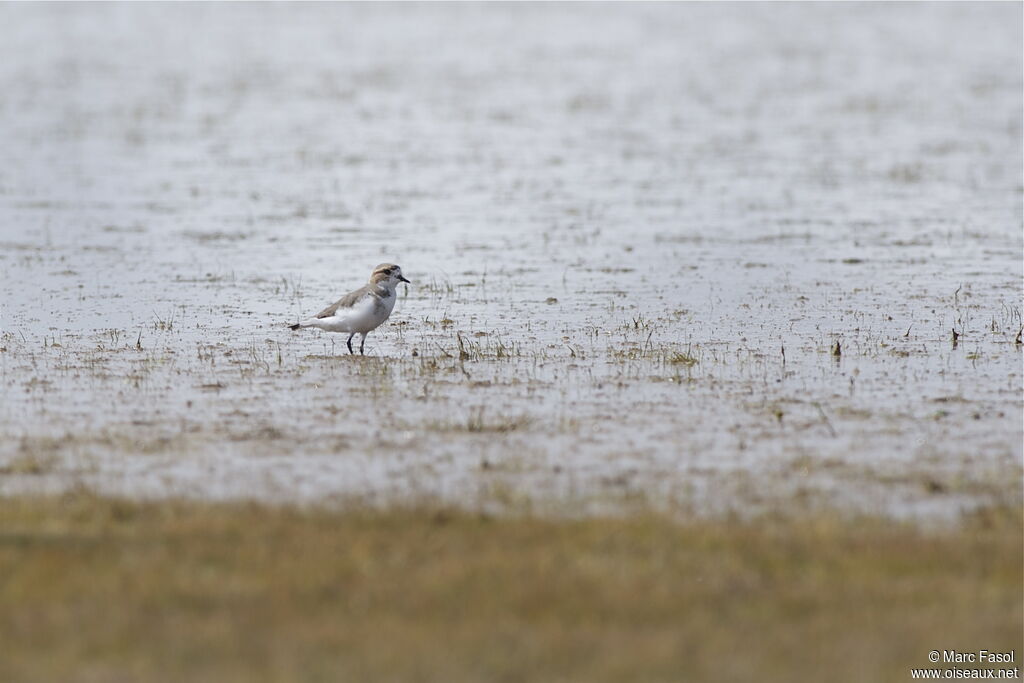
[(361, 311)]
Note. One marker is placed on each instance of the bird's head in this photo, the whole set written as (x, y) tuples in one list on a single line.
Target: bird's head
[(387, 275)]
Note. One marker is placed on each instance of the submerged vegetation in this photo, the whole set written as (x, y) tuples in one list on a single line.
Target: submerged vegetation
[(592, 412)]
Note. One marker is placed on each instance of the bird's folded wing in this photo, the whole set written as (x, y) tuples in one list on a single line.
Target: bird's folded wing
[(349, 301)]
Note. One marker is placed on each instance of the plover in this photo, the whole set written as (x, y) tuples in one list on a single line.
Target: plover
[(361, 311)]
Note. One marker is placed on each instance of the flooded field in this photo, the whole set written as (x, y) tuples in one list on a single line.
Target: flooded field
[(698, 257)]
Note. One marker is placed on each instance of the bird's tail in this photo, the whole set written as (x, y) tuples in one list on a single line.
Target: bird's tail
[(294, 327)]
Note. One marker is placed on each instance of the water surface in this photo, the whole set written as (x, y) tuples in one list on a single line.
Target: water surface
[(637, 234)]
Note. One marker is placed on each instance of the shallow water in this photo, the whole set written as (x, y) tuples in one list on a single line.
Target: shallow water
[(646, 225)]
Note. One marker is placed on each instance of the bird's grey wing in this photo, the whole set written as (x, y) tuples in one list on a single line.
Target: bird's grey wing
[(347, 301)]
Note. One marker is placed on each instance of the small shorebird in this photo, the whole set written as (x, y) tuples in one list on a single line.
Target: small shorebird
[(361, 311)]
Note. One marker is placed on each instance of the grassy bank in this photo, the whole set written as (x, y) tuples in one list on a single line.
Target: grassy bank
[(93, 589)]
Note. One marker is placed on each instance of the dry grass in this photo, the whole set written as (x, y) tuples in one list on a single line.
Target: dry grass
[(93, 589)]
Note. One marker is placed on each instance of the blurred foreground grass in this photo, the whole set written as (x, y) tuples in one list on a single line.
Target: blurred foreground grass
[(94, 589)]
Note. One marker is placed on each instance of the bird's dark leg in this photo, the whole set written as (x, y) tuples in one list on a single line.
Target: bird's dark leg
[(361, 343), (349, 342)]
